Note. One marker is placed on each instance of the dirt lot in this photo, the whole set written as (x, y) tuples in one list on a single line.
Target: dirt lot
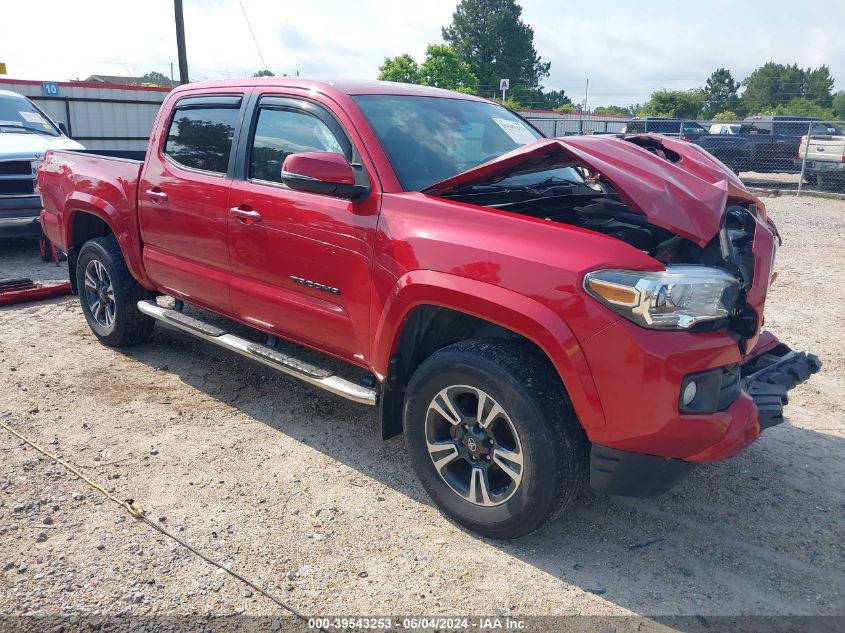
[(293, 488)]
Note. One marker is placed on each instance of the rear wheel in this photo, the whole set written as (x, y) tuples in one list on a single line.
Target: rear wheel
[(492, 437), (109, 294)]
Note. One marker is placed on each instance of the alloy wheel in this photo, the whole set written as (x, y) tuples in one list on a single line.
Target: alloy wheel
[(474, 445), (99, 293)]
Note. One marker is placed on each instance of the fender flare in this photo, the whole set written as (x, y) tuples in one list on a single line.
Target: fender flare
[(516, 312), (79, 202)]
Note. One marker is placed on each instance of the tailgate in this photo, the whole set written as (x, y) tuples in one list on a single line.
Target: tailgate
[(824, 148)]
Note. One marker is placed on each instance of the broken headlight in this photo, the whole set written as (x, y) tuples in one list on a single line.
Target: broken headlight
[(677, 298)]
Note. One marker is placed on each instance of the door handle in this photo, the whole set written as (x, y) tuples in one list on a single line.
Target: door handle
[(156, 196), (245, 216)]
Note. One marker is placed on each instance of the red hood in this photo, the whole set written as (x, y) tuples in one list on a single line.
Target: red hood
[(687, 197)]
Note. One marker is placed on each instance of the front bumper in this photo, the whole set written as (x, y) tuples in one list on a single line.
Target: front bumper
[(766, 380), (19, 216)]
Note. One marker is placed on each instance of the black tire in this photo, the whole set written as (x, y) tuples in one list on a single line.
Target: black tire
[(552, 443), (46, 250), (127, 325)]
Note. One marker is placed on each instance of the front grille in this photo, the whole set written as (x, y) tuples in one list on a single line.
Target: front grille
[(17, 187), (15, 168), (17, 178)]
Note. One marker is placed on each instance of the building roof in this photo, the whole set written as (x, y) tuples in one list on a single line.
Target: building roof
[(129, 81)]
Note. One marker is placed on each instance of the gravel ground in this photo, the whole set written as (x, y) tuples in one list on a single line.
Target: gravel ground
[(788, 182), (294, 489)]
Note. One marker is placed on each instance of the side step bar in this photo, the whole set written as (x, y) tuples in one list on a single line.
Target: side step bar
[(313, 375)]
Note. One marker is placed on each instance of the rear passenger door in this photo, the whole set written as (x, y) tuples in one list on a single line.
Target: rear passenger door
[(300, 260), (182, 200)]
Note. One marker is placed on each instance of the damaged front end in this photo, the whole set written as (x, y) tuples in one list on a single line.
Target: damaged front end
[(682, 207)]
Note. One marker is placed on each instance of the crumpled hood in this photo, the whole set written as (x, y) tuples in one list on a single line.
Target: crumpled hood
[(687, 197)]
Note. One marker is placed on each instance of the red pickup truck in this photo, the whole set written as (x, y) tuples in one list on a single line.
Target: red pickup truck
[(529, 312)]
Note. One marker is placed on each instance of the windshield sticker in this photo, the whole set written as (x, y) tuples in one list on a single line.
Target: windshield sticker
[(518, 132), (32, 117)]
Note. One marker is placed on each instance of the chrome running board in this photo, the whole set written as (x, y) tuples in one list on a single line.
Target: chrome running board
[(313, 375)]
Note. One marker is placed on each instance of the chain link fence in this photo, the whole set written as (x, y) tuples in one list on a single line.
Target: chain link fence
[(767, 152), (779, 153)]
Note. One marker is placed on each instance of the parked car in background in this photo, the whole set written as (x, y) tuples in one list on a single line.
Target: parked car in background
[(529, 312), (825, 158), (26, 133), (765, 144), (725, 128), (677, 128)]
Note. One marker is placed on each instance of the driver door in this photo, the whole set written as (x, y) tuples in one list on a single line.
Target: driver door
[(300, 260)]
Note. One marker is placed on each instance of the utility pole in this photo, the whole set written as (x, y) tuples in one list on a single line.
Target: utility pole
[(180, 42)]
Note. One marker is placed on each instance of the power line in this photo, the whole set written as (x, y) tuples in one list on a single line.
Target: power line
[(257, 47)]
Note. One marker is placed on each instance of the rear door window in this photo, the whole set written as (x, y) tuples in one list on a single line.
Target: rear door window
[(201, 138)]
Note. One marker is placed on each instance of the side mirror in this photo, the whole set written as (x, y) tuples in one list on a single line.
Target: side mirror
[(63, 128), (322, 172)]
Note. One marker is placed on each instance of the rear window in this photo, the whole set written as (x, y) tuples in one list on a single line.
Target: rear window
[(201, 138), (665, 127), (754, 128), (792, 128)]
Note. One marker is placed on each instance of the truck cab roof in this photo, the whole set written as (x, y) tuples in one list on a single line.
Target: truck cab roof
[(347, 87)]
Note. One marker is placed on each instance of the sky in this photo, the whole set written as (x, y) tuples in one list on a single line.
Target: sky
[(626, 49)]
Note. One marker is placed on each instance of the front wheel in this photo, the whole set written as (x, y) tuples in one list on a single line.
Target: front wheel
[(492, 437), (109, 294)]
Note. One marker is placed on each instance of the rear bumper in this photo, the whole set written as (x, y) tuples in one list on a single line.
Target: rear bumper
[(766, 381), (19, 216), (825, 167)]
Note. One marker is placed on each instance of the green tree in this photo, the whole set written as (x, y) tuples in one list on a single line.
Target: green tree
[(839, 105), (263, 73), (801, 106), (819, 86), (568, 108), (726, 116), (554, 99), (443, 68), (537, 98), (771, 85), (491, 37), (720, 93), (401, 68), (155, 78), (630, 110), (513, 104), (683, 104)]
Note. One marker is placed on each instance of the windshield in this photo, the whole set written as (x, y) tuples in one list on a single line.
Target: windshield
[(429, 139), (693, 129), (19, 115)]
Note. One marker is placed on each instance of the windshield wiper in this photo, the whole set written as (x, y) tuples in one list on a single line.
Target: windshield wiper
[(552, 181), (21, 128)]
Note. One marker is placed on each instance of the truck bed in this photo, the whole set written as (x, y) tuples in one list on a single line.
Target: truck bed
[(74, 181)]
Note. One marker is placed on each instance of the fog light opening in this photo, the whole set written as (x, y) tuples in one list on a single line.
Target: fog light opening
[(689, 393)]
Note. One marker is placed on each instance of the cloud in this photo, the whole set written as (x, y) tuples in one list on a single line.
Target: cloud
[(626, 49), (629, 50)]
